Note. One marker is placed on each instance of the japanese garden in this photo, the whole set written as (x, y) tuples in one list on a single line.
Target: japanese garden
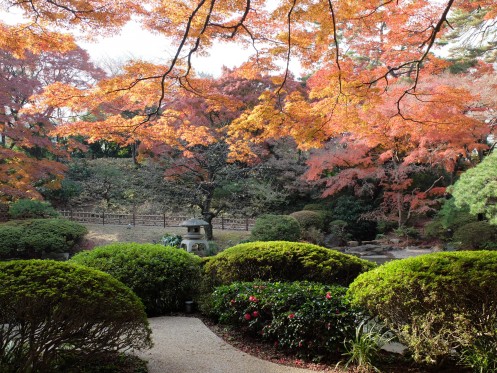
[(327, 203)]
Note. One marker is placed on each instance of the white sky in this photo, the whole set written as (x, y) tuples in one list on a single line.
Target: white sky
[(135, 42)]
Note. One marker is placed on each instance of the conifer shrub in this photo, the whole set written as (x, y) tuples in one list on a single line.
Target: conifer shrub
[(31, 238), (31, 209), (308, 219), (436, 303), (163, 277), (308, 318), (275, 227), (476, 235), (283, 261), (50, 309)]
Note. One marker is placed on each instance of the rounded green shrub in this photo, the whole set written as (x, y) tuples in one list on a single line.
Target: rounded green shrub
[(50, 309), (10, 236), (312, 319), (163, 277), (275, 227), (31, 209), (476, 235), (308, 219), (283, 261), (436, 303), (38, 237)]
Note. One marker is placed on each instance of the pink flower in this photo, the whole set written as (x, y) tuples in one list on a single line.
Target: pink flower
[(232, 301), (253, 299), (328, 295), (291, 316), (255, 314), (247, 316)]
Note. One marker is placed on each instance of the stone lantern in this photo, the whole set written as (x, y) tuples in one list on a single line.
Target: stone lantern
[(194, 240)]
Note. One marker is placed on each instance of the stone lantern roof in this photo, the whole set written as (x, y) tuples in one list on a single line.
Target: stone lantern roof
[(194, 222)]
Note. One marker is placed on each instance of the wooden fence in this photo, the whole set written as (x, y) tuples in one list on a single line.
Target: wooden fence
[(164, 220)]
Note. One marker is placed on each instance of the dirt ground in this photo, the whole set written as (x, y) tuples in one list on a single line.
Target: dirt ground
[(105, 234)]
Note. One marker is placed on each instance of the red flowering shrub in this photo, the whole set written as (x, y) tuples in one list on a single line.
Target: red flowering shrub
[(312, 319)]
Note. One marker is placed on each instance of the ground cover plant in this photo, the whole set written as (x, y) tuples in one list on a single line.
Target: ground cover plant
[(309, 318), (163, 277), (283, 261), (33, 238), (437, 304), (49, 310)]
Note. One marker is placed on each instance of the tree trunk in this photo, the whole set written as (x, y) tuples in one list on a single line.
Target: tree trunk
[(208, 216)]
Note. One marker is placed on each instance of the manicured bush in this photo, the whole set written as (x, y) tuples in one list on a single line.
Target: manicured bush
[(476, 235), (10, 236), (437, 303), (31, 209), (283, 261), (163, 277), (275, 227), (38, 237), (312, 319), (308, 219), (50, 309)]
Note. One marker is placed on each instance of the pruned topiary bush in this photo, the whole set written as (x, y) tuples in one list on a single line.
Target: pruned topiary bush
[(283, 261), (31, 238), (436, 303), (476, 235), (275, 227), (51, 309), (308, 219), (312, 319), (163, 277)]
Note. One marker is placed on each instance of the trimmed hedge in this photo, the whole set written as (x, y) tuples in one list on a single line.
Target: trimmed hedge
[(30, 239), (476, 235), (163, 277), (283, 261), (49, 309), (275, 227), (436, 303), (308, 219), (311, 319)]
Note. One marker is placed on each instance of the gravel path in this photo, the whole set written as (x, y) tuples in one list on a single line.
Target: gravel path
[(186, 345)]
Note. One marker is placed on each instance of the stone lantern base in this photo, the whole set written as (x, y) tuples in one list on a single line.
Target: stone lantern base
[(194, 245)]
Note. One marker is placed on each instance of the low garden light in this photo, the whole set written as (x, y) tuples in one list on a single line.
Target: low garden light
[(194, 240)]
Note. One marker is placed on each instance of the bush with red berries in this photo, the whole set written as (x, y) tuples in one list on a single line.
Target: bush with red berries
[(309, 318)]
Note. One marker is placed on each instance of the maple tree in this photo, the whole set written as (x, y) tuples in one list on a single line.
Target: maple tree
[(29, 155), (376, 84)]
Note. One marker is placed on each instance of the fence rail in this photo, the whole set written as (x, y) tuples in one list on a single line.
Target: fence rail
[(164, 220)]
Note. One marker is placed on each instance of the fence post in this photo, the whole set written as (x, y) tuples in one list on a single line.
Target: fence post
[(103, 218), (222, 222), (70, 215), (164, 216), (246, 224), (134, 222)]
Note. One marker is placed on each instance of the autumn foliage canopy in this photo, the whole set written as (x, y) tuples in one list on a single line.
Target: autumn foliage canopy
[(375, 103)]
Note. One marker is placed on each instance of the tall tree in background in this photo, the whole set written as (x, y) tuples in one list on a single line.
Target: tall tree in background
[(375, 78), (29, 155)]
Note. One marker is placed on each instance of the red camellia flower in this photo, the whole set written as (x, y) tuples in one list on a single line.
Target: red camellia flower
[(291, 316), (255, 314), (232, 301), (328, 295), (247, 316), (253, 299)]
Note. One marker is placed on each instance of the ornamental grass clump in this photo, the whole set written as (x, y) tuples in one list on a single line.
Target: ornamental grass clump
[(283, 261), (49, 310), (163, 277), (308, 318), (438, 305)]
